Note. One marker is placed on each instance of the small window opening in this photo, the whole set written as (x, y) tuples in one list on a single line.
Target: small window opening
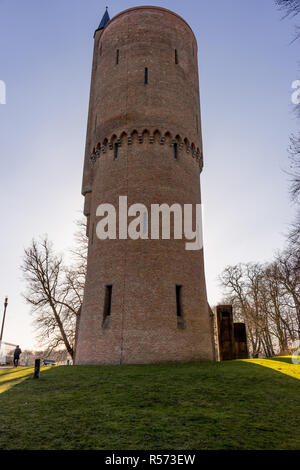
[(180, 318), (146, 76), (107, 307), (118, 56), (92, 239), (175, 148), (116, 151), (176, 57)]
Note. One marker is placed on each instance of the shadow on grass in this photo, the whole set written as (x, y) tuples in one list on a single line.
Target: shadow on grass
[(13, 370), (283, 367), (9, 379)]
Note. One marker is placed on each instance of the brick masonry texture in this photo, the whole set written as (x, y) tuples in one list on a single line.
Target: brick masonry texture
[(145, 120)]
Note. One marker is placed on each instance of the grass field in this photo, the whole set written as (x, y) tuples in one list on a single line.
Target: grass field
[(252, 404)]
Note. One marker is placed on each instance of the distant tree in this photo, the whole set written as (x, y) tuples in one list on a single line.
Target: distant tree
[(294, 233), (28, 357), (267, 298), (244, 298), (55, 291), (294, 172), (294, 151), (291, 7), (288, 275)]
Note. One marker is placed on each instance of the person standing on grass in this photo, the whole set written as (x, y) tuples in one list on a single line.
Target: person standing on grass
[(17, 354)]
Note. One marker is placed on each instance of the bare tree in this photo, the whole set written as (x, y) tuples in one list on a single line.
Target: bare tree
[(288, 273), (278, 316), (55, 292), (267, 298), (294, 151), (291, 7), (237, 290), (294, 233), (294, 173)]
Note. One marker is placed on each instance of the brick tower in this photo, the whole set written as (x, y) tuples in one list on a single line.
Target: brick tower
[(145, 300)]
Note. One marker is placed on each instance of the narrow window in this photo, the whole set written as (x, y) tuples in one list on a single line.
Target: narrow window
[(146, 76), (175, 147), (176, 57), (92, 240), (118, 56), (116, 151), (107, 307), (180, 318)]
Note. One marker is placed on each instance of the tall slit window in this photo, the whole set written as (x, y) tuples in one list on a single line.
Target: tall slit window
[(179, 307), (176, 57), (175, 149), (116, 151), (117, 57), (107, 307), (92, 239), (146, 76)]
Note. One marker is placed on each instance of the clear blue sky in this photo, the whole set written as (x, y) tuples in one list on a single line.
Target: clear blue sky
[(246, 69)]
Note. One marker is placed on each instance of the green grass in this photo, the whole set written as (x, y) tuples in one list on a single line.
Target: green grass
[(229, 405)]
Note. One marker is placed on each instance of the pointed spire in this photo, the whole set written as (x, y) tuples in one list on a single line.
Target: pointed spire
[(104, 20)]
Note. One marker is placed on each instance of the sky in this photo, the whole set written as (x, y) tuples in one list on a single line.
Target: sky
[(246, 66)]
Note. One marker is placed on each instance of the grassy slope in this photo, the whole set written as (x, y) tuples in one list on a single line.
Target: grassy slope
[(229, 405)]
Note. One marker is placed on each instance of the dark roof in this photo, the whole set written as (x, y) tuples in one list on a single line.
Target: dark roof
[(104, 20)]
